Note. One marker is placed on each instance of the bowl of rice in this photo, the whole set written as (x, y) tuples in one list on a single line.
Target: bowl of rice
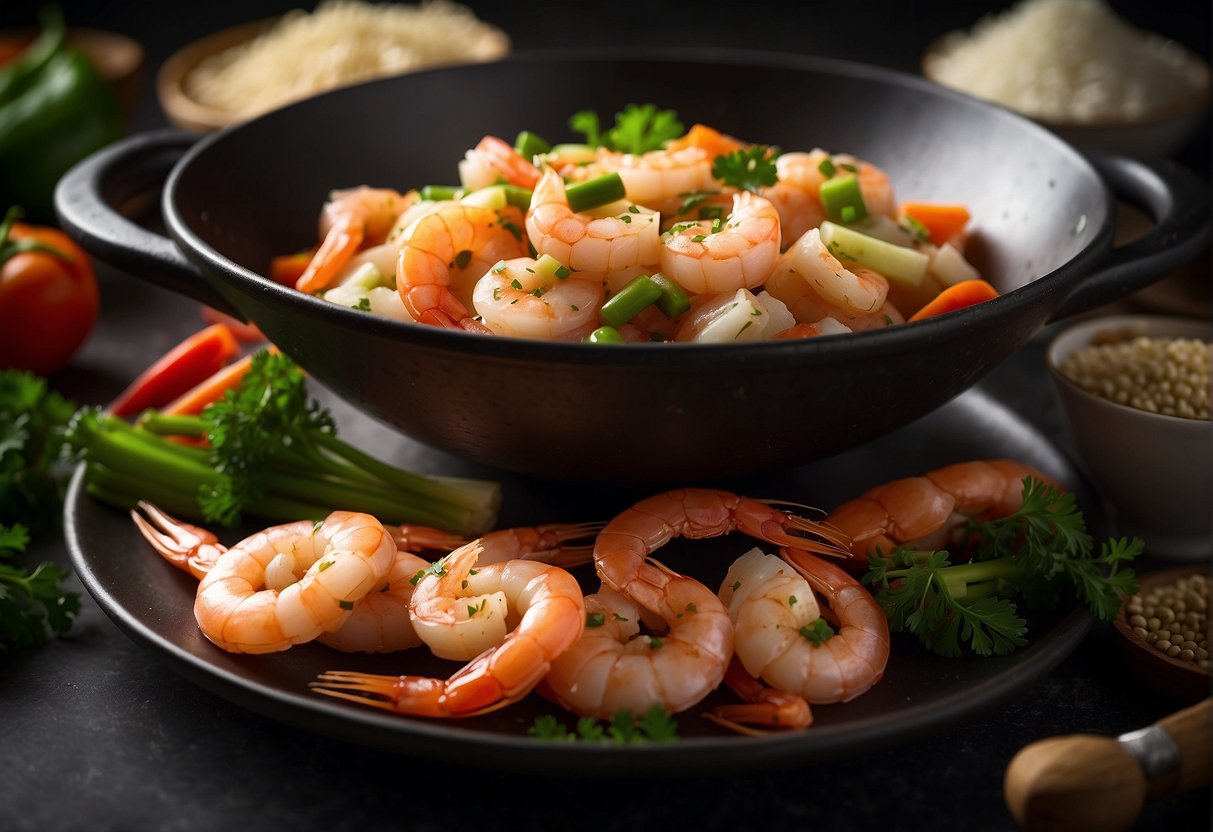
[(1080, 70), (239, 73), (1134, 390)]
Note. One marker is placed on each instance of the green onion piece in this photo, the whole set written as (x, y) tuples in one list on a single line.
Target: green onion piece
[(630, 301), (673, 301), (530, 145), (441, 193), (604, 335), (517, 196), (601, 190), (843, 192), (827, 167)]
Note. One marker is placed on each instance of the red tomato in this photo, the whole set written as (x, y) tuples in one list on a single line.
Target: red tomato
[(48, 299)]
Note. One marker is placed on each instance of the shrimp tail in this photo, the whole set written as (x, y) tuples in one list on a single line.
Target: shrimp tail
[(437, 306), (767, 708), (342, 240), (190, 548)]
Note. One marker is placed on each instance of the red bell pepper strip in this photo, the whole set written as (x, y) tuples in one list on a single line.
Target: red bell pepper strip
[(185, 365), (958, 296)]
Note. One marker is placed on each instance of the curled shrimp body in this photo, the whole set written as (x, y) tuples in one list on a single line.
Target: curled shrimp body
[(854, 289), (493, 159), (514, 298), (796, 192), (924, 512), (809, 307), (552, 616), (738, 256), (351, 219), (774, 605), (613, 666), (288, 584), (445, 253), (595, 248), (659, 178)]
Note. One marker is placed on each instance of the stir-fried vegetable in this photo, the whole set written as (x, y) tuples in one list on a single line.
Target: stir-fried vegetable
[(1033, 553)]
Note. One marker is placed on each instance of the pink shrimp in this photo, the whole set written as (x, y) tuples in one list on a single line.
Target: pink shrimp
[(445, 254), (925, 512), (351, 220), (552, 612), (493, 158), (702, 256)]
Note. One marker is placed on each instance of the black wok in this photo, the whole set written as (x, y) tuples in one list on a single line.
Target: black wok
[(1042, 234)]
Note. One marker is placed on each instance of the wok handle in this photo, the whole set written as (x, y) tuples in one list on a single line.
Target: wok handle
[(93, 201), (1175, 199)]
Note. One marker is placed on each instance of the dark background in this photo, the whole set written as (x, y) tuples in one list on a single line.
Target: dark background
[(96, 733)]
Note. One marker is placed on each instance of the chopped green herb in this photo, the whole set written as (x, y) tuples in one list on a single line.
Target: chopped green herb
[(638, 129), (463, 258), (655, 643), (749, 169), (595, 619), (346, 605), (363, 304), (31, 601), (819, 632)]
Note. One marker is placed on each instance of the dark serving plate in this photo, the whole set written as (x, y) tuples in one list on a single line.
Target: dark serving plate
[(152, 602)]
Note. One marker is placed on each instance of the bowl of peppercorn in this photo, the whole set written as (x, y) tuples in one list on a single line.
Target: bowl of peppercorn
[(1164, 631), (1134, 391)]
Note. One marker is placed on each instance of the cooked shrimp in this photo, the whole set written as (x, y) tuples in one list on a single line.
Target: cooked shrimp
[(659, 178), (856, 290), (516, 298), (622, 547), (738, 255), (594, 248), (613, 666), (444, 255), (552, 617), (809, 307), (492, 159), (796, 192), (381, 623), (350, 219), (779, 638), (925, 512), (288, 584)]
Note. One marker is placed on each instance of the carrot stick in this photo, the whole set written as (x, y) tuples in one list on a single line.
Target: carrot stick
[(965, 293), (210, 390), (942, 221), (709, 138), (288, 268), (188, 363)]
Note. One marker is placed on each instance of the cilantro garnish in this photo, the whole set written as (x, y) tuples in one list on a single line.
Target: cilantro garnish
[(31, 601)]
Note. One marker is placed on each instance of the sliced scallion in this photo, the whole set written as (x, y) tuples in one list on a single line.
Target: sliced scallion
[(843, 192), (630, 301), (598, 191), (673, 301)]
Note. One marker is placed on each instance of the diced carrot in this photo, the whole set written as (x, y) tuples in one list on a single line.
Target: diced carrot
[(709, 138), (288, 268), (942, 221), (210, 390), (185, 365), (965, 293), (249, 333)]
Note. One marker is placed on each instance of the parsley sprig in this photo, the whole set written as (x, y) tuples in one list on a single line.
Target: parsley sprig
[(1033, 553), (638, 129), (31, 601), (272, 452), (749, 169), (655, 725), (32, 420)]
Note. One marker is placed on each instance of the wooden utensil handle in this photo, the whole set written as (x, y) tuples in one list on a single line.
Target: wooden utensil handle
[(1191, 729)]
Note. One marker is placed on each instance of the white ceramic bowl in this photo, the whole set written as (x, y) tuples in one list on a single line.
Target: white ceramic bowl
[(1153, 470)]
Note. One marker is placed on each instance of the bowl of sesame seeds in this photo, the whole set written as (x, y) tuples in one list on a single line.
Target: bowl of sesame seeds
[(1134, 391)]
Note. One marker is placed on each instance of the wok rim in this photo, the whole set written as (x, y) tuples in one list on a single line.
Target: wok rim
[(215, 266)]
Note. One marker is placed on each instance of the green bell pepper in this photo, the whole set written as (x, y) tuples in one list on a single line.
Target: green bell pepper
[(55, 109)]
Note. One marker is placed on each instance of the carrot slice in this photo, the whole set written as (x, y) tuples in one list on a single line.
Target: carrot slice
[(965, 293), (709, 138), (288, 268), (942, 221), (211, 389), (182, 367)]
